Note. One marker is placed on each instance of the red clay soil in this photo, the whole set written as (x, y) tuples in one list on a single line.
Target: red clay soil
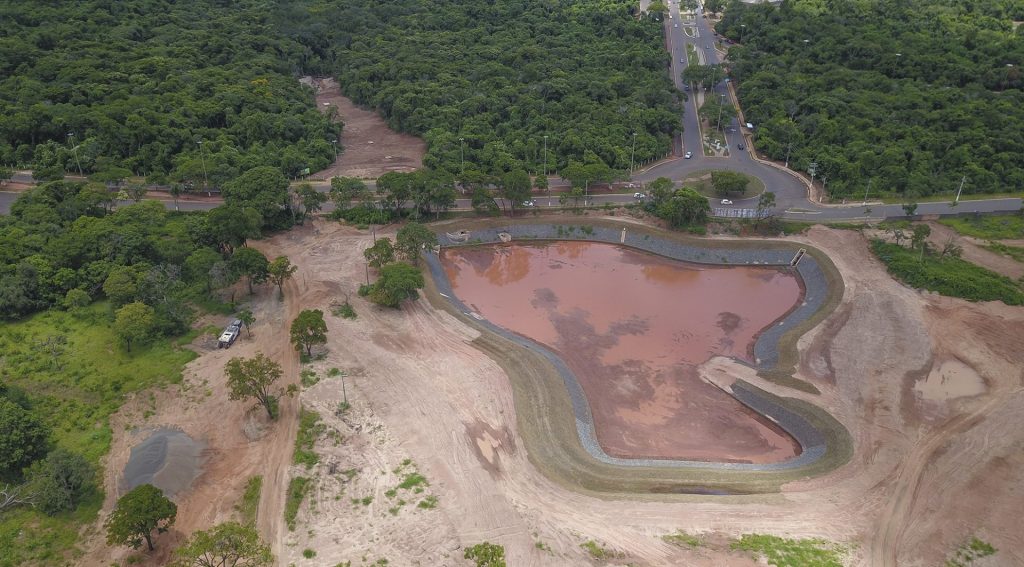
[(633, 328), (371, 149)]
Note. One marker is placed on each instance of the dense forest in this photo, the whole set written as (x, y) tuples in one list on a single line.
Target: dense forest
[(97, 85), (893, 96), (501, 75)]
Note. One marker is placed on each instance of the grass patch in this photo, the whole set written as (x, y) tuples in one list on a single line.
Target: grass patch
[(75, 388), (968, 552), (991, 227), (344, 310), (892, 198), (948, 276), (783, 552), (297, 489), (428, 503), (412, 481), (249, 506), (309, 553), (701, 181), (596, 550), (682, 539), (1015, 252), (309, 429), (308, 378), (486, 554)]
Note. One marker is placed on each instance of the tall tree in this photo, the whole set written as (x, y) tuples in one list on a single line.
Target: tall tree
[(61, 480), (311, 199), (412, 238), (137, 515), (252, 378), (263, 188), (308, 330), (280, 271), (515, 188), (252, 264), (23, 439), (382, 252), (765, 204), (729, 182), (247, 319), (397, 283), (225, 545), (135, 323)]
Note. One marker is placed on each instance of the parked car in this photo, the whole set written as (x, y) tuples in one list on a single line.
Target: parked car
[(688, 155), (231, 332), (726, 202)]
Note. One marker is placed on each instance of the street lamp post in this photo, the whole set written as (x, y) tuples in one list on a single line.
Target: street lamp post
[(334, 142), (899, 57), (721, 106), (202, 156), (958, 191), (742, 27), (632, 154)]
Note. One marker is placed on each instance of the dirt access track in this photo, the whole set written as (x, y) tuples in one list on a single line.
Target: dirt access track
[(370, 148), (931, 390)]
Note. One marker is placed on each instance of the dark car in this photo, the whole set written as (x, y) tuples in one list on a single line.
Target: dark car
[(740, 146)]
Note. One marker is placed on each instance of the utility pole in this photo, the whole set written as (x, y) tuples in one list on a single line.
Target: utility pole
[(962, 181), (334, 142), (742, 27), (866, 189), (632, 155), (789, 148), (202, 156), (721, 106), (812, 168)]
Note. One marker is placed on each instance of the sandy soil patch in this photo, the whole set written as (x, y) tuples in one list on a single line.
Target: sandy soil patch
[(924, 477), (371, 148)]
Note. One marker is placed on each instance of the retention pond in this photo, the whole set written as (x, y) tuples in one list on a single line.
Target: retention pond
[(633, 327)]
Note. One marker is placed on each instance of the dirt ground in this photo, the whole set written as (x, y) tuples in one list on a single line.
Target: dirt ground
[(931, 389), (371, 149)]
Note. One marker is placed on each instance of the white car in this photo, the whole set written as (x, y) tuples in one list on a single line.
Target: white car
[(529, 203), (639, 196), (676, 26), (726, 202), (688, 155)]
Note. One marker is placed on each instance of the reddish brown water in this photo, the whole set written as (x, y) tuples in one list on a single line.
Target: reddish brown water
[(633, 327)]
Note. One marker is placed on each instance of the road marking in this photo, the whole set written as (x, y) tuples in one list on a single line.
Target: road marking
[(734, 213), (802, 212)]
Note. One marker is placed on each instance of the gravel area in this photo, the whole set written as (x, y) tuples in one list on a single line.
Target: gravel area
[(811, 441)]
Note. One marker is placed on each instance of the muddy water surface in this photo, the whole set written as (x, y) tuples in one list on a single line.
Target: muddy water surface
[(633, 327)]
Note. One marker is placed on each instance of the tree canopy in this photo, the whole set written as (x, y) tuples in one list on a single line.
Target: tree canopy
[(397, 283), (252, 378), (228, 544), (23, 439), (137, 514), (909, 96), (199, 90), (309, 329), (501, 76)]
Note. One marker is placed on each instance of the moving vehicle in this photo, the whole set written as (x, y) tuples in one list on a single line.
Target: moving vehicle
[(230, 334), (639, 196), (688, 155), (739, 146), (529, 203), (726, 202)]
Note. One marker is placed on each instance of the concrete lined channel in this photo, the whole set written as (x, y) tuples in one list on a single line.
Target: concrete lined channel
[(765, 349)]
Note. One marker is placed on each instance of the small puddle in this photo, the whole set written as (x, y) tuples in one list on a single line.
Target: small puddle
[(949, 380), (168, 459)]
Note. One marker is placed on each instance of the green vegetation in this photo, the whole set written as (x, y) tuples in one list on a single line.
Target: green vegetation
[(701, 182), (682, 208), (502, 76), (344, 310), (252, 378), (249, 507), (428, 503), (397, 282), (968, 552), (297, 489), (596, 550), (310, 428), (903, 97), (682, 539), (140, 512), (783, 552), (308, 330), (947, 275), (992, 227), (308, 553), (229, 543), (1015, 252), (184, 92), (486, 554)]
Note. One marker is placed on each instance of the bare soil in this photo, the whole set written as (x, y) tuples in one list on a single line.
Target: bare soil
[(932, 467), (370, 147)]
